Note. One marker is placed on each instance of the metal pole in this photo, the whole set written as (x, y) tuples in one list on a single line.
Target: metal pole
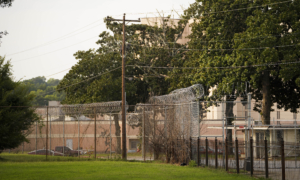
[(237, 156), (251, 156), (47, 136), (266, 159), (282, 161), (249, 115), (64, 137), (191, 153), (50, 135), (110, 134), (295, 123), (206, 151), (216, 153), (35, 137), (154, 137), (226, 154), (95, 132), (198, 152), (144, 148), (123, 95), (223, 138), (78, 137)]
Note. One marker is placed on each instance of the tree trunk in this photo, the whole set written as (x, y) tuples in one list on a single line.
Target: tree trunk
[(266, 101), (118, 133)]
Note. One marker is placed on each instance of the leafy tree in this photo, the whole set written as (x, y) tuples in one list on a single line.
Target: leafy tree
[(211, 42), (43, 90), (97, 76), (273, 33), (15, 121), (257, 34)]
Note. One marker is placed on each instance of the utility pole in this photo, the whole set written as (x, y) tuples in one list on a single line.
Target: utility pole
[(124, 154)]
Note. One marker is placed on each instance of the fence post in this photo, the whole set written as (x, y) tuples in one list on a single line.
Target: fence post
[(191, 152), (144, 147), (35, 137), (50, 135), (95, 132), (251, 156), (110, 138), (78, 137), (47, 135), (23, 148), (206, 151), (266, 159), (237, 156), (64, 136), (282, 160), (216, 152), (226, 154), (198, 152)]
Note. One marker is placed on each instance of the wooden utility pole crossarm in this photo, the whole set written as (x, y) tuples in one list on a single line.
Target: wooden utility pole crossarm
[(124, 153)]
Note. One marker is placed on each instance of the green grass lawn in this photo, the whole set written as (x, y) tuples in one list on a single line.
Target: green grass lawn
[(35, 167)]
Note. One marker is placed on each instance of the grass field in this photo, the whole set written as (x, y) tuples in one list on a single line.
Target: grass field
[(35, 167)]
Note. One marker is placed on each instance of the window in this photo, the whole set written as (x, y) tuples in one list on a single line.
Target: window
[(246, 114), (294, 115), (133, 145), (278, 114)]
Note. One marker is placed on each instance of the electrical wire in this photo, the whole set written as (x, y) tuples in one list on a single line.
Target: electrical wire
[(56, 40), (82, 81), (55, 50), (242, 49), (58, 72), (228, 67), (239, 9)]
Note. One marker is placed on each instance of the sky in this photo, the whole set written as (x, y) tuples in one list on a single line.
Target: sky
[(44, 35)]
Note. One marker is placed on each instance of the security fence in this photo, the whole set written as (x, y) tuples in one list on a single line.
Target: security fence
[(175, 128)]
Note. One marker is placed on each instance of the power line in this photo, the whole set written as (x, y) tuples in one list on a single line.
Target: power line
[(242, 49), (58, 39), (228, 67), (58, 72), (56, 50), (82, 81), (239, 9)]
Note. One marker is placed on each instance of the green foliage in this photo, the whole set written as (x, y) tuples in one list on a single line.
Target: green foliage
[(43, 90), (243, 38), (15, 121), (192, 163), (144, 48)]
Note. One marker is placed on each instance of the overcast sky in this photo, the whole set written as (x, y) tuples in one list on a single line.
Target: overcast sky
[(44, 35)]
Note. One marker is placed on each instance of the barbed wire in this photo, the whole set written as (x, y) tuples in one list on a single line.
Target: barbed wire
[(182, 95)]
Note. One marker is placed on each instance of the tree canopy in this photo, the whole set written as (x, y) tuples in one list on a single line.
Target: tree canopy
[(242, 35), (43, 90), (16, 115), (146, 46)]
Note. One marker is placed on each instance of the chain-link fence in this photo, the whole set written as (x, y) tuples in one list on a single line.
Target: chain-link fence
[(174, 132)]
